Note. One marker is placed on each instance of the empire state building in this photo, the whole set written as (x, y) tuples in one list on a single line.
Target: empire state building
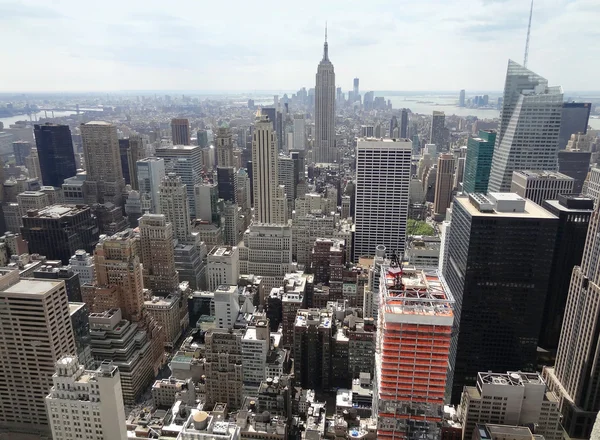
[(324, 150)]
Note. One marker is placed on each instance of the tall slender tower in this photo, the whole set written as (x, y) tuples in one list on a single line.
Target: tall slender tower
[(174, 205), (324, 146), (224, 147), (158, 255), (443, 186), (269, 196)]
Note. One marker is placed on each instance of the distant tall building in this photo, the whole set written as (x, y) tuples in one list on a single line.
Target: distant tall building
[(324, 150), (540, 185), (224, 147), (59, 230), (21, 150), (480, 151), (269, 197), (408, 400), (575, 164), (444, 184), (394, 128), (355, 88), (104, 180), (529, 127), (574, 119), (299, 132), (574, 377), (55, 151), (223, 366), (131, 150), (499, 259), (382, 191), (36, 332), (404, 123), (174, 205), (158, 257), (150, 173), (461, 98), (226, 177), (438, 124), (86, 395), (32, 162), (186, 162), (180, 131)]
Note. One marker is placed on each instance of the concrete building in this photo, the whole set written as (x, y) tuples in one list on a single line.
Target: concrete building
[(54, 270), (529, 127), (224, 145), (269, 197), (186, 162), (324, 148), (444, 184), (423, 251), (36, 332), (382, 194), (82, 263), (167, 313), (299, 142), (575, 164), (32, 200), (313, 330), (150, 173), (173, 200), (256, 344), (190, 265), (408, 400), (513, 398), (231, 223), (88, 403), (21, 149), (222, 267), (541, 185), (437, 135), (158, 256), (80, 322), (206, 195), (227, 307), (59, 230), (32, 163), (104, 179), (223, 367), (74, 190), (180, 131), (512, 241), (591, 187)]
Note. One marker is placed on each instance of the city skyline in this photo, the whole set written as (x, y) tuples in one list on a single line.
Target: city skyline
[(111, 53)]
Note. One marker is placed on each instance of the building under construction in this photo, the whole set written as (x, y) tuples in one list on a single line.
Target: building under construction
[(413, 345)]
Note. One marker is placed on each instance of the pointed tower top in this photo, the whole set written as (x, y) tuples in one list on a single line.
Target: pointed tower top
[(325, 32), (325, 46)]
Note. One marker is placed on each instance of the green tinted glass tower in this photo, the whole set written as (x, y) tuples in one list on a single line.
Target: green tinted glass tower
[(479, 162)]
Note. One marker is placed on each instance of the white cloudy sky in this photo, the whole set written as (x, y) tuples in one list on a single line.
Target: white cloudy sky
[(276, 44)]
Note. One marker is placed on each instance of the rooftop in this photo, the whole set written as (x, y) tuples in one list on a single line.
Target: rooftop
[(32, 287), (222, 251), (57, 211), (512, 378), (481, 205), (541, 174)]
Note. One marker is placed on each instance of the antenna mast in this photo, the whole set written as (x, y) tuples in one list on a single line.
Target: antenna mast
[(528, 33)]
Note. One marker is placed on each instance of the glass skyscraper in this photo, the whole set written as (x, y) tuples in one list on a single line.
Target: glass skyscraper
[(480, 151)]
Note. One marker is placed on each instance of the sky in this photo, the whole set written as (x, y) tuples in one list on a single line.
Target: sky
[(416, 45)]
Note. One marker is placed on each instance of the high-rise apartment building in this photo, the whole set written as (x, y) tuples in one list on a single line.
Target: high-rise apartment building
[(324, 150), (478, 163), (35, 331), (256, 343), (150, 173), (186, 162), (444, 185), (529, 127), (574, 119), (59, 230), (180, 131), (437, 135), (86, 404), (540, 185), (173, 201), (55, 152), (299, 142), (223, 367), (382, 189), (411, 360), (313, 330), (499, 259), (269, 197), (158, 257), (222, 267), (513, 398), (224, 141), (104, 180), (574, 377), (574, 213)]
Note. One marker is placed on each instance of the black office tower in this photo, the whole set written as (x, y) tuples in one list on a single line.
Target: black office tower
[(55, 152), (226, 183), (574, 119), (123, 150), (573, 214), (500, 250), (575, 164)]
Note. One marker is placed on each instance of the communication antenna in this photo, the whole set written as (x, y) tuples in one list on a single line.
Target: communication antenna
[(528, 33)]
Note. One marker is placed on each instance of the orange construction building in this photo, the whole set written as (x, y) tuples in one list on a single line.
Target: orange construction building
[(413, 346)]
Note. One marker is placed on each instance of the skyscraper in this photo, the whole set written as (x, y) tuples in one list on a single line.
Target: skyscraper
[(36, 331), (21, 150), (355, 89), (158, 257), (461, 99), (529, 127), (174, 205), (480, 151), (540, 185), (382, 188), (404, 123), (444, 183), (394, 128), (104, 181), (415, 322), (299, 133), (438, 124), (500, 250), (224, 147), (574, 377), (180, 131), (324, 137), (269, 197), (55, 152), (575, 164), (150, 173), (574, 119)]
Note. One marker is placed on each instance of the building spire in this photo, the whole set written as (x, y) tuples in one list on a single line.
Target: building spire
[(325, 46)]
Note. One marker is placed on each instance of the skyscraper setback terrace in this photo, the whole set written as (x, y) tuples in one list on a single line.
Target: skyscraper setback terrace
[(413, 344)]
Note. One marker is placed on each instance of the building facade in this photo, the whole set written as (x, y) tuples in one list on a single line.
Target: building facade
[(324, 149), (478, 163), (55, 152), (541, 185)]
